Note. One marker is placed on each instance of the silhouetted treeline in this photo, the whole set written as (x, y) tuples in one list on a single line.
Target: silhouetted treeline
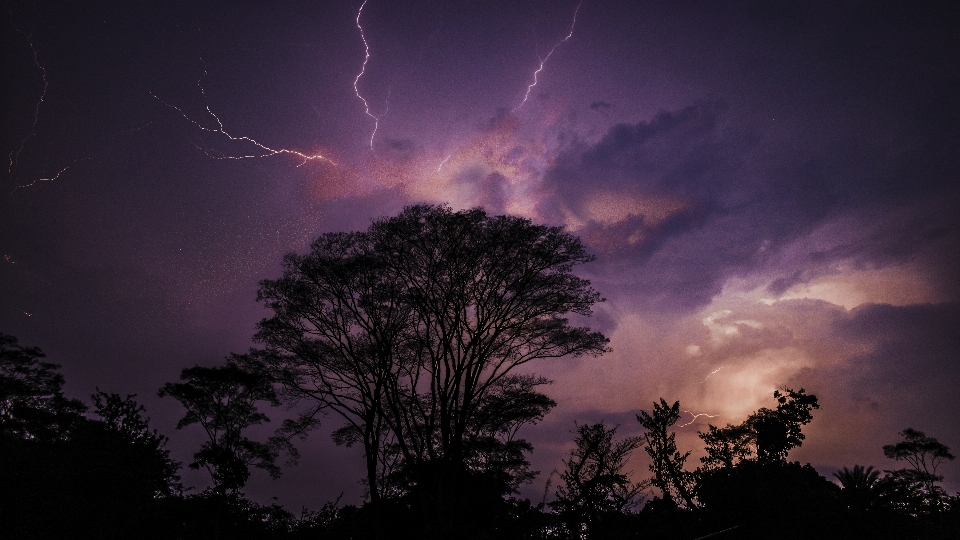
[(69, 471), (409, 334)]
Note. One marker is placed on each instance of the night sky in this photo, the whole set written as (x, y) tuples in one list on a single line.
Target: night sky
[(772, 190)]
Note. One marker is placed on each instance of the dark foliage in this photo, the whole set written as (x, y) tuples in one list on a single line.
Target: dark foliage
[(765, 499), (861, 491), (65, 475), (411, 330), (675, 484), (32, 404), (916, 490), (768, 434), (596, 488), (223, 400), (98, 479), (779, 430)]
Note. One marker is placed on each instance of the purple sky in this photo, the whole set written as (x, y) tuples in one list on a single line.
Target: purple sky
[(773, 193)]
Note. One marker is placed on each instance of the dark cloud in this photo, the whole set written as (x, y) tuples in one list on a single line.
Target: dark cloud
[(503, 119), (401, 149), (740, 197), (905, 374)]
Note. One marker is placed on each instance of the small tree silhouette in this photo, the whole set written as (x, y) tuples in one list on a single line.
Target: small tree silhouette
[(859, 486), (594, 482), (916, 490), (667, 465), (858, 479), (223, 400)]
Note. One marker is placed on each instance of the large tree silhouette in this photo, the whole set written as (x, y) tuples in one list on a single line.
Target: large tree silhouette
[(407, 329)]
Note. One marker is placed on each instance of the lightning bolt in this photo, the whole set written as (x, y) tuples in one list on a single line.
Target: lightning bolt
[(711, 373), (52, 178), (695, 416), (443, 162), (15, 154), (363, 69), (36, 110), (543, 61), (221, 130)]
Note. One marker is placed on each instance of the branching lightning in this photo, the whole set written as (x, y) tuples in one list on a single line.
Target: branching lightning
[(698, 415), (543, 61), (267, 151), (363, 69), (15, 154), (695, 416)]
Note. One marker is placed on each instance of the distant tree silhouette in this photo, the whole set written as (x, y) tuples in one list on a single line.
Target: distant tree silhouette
[(100, 478), (223, 401), (858, 479), (675, 484), (923, 453), (916, 490), (746, 481)]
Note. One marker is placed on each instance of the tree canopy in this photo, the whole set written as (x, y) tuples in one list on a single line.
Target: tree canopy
[(223, 400), (916, 489), (409, 329), (595, 482), (32, 404), (669, 476)]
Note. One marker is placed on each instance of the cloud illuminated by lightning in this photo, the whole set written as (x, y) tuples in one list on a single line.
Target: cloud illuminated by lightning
[(695, 416), (267, 151), (543, 61), (363, 69)]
